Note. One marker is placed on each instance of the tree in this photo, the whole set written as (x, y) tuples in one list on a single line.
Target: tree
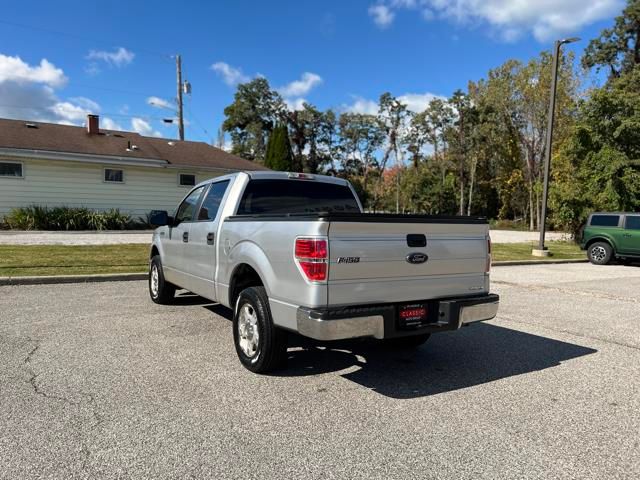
[(392, 114), (617, 48), (251, 117), (598, 168), (279, 155), (361, 136)]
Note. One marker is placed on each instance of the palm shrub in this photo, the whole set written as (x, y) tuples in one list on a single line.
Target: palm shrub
[(36, 217)]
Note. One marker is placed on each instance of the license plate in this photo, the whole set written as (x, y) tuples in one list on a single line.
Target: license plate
[(412, 316)]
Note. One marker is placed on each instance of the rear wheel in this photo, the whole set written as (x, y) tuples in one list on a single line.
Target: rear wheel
[(414, 341), (160, 290), (260, 345), (600, 253)]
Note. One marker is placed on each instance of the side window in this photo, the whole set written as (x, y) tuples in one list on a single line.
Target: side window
[(605, 220), (212, 202), (187, 208), (632, 222)]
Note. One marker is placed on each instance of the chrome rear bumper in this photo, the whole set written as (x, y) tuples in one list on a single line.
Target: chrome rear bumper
[(379, 321)]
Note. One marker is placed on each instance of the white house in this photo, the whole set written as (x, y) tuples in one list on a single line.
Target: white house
[(54, 165)]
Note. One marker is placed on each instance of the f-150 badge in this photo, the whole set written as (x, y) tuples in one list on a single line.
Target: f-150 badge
[(348, 259)]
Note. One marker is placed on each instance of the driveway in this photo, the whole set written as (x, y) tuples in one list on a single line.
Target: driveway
[(98, 382)]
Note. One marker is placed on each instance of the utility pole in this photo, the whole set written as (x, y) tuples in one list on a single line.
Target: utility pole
[(542, 251), (179, 99)]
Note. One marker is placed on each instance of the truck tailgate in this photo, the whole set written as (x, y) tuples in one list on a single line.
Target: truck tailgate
[(370, 261)]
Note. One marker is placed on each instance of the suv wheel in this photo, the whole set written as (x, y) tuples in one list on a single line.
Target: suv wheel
[(260, 345), (160, 290), (600, 253)]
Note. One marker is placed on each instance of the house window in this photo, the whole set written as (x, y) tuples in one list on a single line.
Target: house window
[(11, 169), (113, 175), (187, 180)]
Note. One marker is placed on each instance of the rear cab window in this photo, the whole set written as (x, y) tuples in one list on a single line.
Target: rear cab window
[(632, 222), (279, 197), (604, 220)]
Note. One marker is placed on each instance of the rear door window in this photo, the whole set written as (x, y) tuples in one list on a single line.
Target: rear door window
[(212, 201), (605, 220), (296, 196), (632, 222)]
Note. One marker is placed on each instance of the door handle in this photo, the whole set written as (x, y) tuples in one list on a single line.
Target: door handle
[(211, 238), (185, 237)]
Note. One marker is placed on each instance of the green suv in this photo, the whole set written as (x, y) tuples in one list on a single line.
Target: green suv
[(611, 235)]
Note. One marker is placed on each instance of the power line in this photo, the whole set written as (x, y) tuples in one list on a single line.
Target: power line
[(165, 56)]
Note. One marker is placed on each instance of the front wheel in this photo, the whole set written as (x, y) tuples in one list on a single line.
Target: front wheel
[(160, 290), (600, 253), (260, 345)]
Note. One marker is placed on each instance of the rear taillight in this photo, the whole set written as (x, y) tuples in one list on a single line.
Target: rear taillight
[(312, 254), (488, 267)]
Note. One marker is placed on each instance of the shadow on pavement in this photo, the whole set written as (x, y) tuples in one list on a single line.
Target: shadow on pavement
[(448, 361)]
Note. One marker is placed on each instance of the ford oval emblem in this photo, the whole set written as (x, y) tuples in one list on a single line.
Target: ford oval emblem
[(417, 257)]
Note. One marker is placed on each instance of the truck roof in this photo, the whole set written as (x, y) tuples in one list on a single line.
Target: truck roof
[(272, 175)]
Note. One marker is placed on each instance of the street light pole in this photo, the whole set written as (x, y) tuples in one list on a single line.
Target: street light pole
[(542, 251)]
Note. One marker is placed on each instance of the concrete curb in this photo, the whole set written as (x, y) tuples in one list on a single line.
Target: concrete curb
[(45, 280), (513, 263)]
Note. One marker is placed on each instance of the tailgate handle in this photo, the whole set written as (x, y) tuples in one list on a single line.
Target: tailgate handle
[(416, 240)]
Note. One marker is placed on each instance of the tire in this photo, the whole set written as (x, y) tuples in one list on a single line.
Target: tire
[(260, 345), (600, 253), (160, 291), (413, 341)]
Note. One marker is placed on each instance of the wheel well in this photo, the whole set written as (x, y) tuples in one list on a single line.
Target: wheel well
[(154, 252), (244, 276), (596, 240)]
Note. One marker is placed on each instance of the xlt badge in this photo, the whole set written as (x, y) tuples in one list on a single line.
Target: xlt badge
[(348, 259)]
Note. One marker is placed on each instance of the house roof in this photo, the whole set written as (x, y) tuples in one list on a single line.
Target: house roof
[(27, 135)]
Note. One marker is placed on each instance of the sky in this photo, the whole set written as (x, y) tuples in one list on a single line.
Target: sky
[(61, 60)]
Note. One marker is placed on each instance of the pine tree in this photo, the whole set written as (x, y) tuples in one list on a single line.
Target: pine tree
[(279, 155)]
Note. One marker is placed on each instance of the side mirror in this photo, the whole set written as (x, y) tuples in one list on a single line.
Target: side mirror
[(160, 218)]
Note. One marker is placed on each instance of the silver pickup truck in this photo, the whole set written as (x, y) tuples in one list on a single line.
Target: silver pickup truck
[(293, 252)]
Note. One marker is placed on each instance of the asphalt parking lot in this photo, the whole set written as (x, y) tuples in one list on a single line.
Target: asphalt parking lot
[(98, 382)]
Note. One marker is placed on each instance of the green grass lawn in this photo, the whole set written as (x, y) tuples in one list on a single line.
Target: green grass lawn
[(26, 260), (522, 251)]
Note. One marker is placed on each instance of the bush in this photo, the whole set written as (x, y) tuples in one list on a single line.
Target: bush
[(36, 217)]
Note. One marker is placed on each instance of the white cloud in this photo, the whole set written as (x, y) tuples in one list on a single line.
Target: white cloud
[(415, 102), (231, 75), (109, 124), (545, 19), (118, 58), (362, 105), (382, 15), (418, 102), (301, 87), (160, 103), (295, 104), (86, 103), (29, 92), (16, 70), (143, 127)]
